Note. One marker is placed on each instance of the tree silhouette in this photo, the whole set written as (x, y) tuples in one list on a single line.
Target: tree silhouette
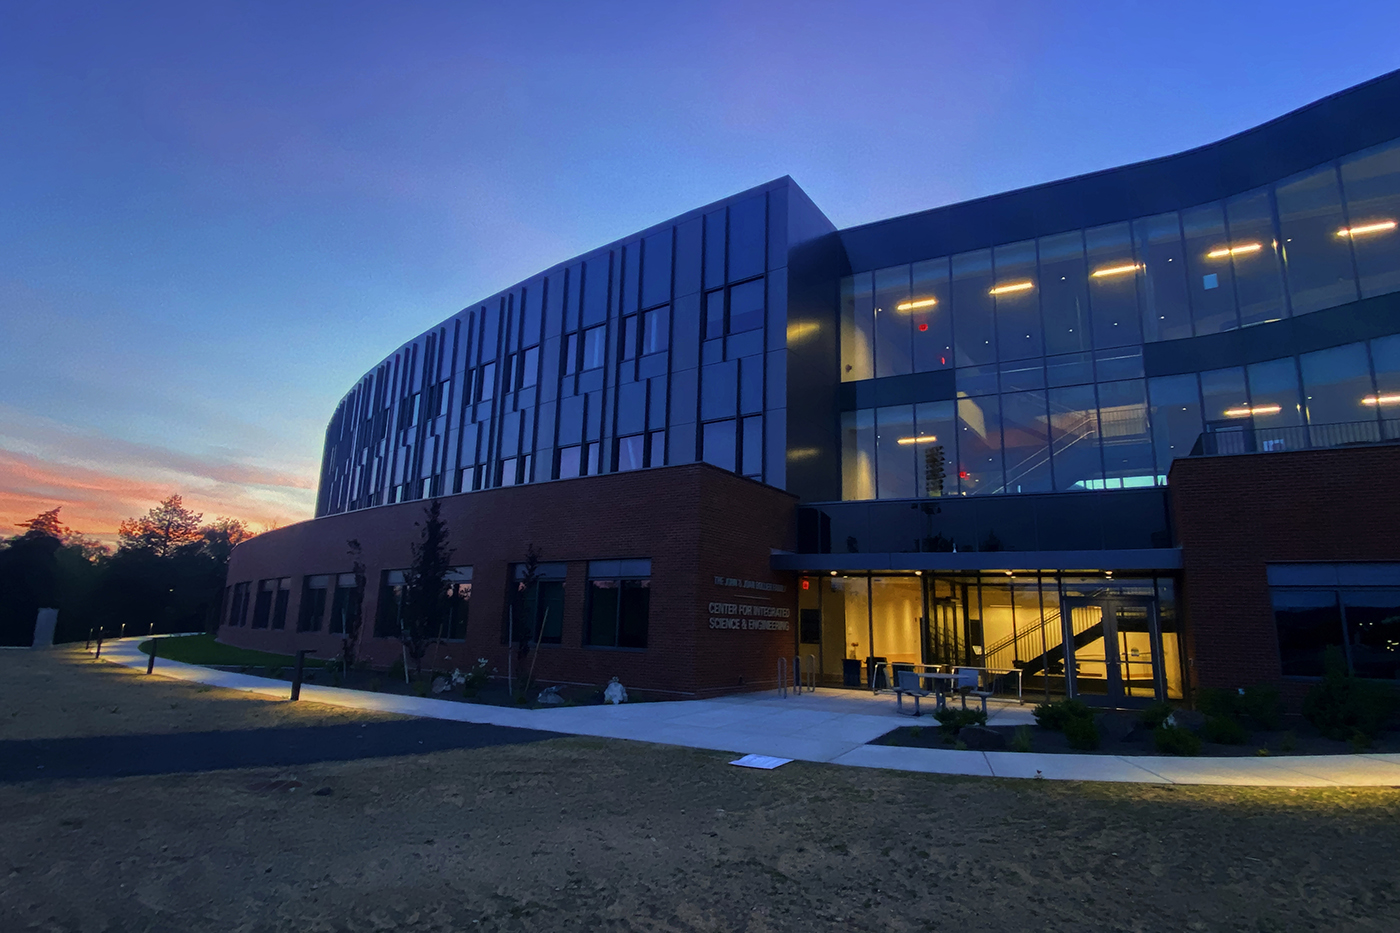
[(163, 530), (425, 586), (47, 523), (354, 612)]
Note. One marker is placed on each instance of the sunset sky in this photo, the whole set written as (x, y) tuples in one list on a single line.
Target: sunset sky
[(215, 216)]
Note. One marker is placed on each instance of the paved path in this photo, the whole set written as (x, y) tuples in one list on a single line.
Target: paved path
[(827, 726)]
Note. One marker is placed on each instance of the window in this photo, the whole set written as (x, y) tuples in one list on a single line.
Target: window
[(1351, 607), (238, 605), (530, 367), (344, 606), (1018, 309), (655, 332), (571, 355), (313, 602), (930, 315), (1065, 296), (1316, 255), (714, 314), (393, 599), (593, 347), (1372, 183), (893, 343), (459, 596), (279, 604), (1166, 312), (569, 461), (1254, 258), (540, 604), (718, 444), (753, 447), (630, 338), (262, 608), (629, 453), (974, 334), (486, 385), (619, 596), (1336, 383)]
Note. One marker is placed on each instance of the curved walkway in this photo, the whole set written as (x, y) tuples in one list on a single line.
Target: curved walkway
[(828, 726)]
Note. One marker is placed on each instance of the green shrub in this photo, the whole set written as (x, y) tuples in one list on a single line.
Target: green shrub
[(1343, 705), (1258, 705), (1359, 741), (1021, 739), (952, 719), (1174, 740), (1213, 701), (1055, 715), (1288, 742), (396, 670), (1224, 731), (1082, 733), (421, 687), (1156, 714)]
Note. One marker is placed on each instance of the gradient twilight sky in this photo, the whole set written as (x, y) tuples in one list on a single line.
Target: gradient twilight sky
[(215, 216)]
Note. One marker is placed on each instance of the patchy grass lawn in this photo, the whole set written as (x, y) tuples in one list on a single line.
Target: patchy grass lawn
[(203, 649), (594, 834)]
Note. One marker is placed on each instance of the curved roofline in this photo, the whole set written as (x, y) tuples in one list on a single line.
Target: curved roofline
[(1350, 120)]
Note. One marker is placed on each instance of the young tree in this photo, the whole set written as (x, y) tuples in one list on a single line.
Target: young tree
[(524, 625), (354, 614), (425, 586), (163, 530)]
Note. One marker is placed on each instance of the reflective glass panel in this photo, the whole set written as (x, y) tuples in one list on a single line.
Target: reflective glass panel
[(895, 452), (1074, 438), (1210, 277), (934, 454), (1254, 258), (1127, 445), (1026, 437), (1176, 418), (1385, 357), (1017, 309), (1372, 183), (1069, 369), (893, 327), (655, 325), (930, 315), (857, 327), (979, 445), (753, 446), (656, 269), (974, 332), (1166, 311), (1373, 632), (1336, 384), (1309, 622), (1316, 252), (897, 610), (1113, 273), (1064, 292), (746, 307), (629, 453), (1273, 393), (858, 454), (718, 444), (719, 389), (1223, 395), (569, 461)]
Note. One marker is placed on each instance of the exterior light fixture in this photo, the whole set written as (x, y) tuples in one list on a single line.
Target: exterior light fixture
[(918, 573), (1220, 252), (833, 573), (1380, 226), (921, 439), (1012, 287), (1371, 400), (1256, 410), (1124, 269), (915, 304)]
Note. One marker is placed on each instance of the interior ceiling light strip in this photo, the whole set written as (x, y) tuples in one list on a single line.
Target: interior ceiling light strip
[(918, 303), (1221, 252), (1375, 400), (1256, 410), (921, 439), (1117, 270), (1379, 227), (1013, 287)]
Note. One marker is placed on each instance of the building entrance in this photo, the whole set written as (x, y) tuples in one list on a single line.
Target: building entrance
[(1113, 646)]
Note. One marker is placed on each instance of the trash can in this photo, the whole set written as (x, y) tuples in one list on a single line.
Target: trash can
[(850, 672), (877, 673)]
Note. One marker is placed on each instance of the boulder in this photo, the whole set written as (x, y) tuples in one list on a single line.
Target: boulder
[(549, 696), (441, 685), (1187, 719), (1117, 726), (982, 739)]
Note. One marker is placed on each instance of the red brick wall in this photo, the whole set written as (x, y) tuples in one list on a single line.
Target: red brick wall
[(694, 522), (1236, 514)]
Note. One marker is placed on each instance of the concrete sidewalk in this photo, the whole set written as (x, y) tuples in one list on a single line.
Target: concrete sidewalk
[(831, 726)]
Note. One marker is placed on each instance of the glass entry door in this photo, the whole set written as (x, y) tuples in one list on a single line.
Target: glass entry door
[(1112, 646)]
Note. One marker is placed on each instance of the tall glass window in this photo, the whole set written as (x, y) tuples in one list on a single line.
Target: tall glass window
[(931, 315), (1074, 438), (974, 331), (1254, 258), (892, 322), (895, 439), (1113, 273), (1026, 442), (1176, 418), (935, 455), (897, 609), (1316, 254), (1127, 445), (1064, 298), (1385, 357), (858, 454), (1223, 395), (1166, 310), (1017, 309), (1209, 273), (1336, 384), (1371, 180), (1273, 393), (857, 327), (718, 444), (979, 445)]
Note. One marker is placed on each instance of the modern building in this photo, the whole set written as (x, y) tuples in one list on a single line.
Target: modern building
[(1114, 436)]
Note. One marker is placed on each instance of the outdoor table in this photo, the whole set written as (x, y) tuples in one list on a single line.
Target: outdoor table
[(941, 684)]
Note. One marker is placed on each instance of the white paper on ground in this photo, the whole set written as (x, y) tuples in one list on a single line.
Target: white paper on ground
[(766, 762)]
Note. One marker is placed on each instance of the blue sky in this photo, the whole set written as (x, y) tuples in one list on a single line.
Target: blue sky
[(214, 217)]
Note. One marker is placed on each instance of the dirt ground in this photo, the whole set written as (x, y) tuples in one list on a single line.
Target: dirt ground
[(591, 834)]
